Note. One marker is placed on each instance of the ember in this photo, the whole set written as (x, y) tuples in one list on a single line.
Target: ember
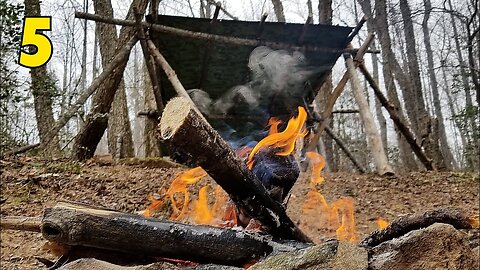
[(382, 223)]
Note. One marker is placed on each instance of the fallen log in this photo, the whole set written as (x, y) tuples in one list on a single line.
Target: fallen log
[(77, 224), (182, 126), (405, 224)]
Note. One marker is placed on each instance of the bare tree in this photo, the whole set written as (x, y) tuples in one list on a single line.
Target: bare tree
[(390, 66), (90, 134), (278, 9), (447, 154), (43, 89), (120, 143), (325, 17), (367, 10)]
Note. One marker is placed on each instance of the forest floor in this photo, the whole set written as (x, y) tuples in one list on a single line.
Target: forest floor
[(30, 185)]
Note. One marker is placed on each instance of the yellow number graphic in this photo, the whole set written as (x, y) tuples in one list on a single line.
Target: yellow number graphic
[(32, 37)]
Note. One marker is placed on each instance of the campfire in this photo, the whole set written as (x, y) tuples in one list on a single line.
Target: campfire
[(337, 216)]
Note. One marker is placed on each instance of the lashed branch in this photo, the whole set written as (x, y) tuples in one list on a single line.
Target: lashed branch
[(397, 120), (214, 38)]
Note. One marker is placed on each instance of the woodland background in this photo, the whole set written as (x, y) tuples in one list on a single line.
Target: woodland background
[(428, 67)]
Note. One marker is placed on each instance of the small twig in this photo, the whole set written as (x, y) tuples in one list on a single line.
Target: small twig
[(31, 224)]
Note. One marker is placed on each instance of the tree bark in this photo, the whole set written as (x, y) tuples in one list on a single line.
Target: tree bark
[(152, 144), (188, 132), (120, 142), (419, 116), (43, 89), (83, 225), (373, 136), (390, 65), (382, 122), (88, 137), (325, 17), (449, 161), (278, 9)]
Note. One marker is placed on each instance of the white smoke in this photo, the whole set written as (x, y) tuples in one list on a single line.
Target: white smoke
[(274, 73)]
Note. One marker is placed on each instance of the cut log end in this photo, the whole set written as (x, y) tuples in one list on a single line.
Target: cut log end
[(177, 110)]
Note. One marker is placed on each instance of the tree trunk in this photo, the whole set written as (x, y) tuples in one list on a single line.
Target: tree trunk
[(373, 136), (91, 133), (325, 17), (43, 88), (419, 116), (278, 9), (449, 161), (152, 144), (382, 122), (389, 66), (470, 119), (120, 143)]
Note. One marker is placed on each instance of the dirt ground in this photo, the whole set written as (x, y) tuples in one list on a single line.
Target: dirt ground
[(28, 186)]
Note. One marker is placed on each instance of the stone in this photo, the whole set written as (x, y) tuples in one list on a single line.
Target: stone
[(439, 246), (330, 255)]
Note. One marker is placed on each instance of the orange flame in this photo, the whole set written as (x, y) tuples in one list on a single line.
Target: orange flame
[(203, 215), (179, 185), (382, 223), (222, 213), (339, 215), (318, 163), (283, 141), (474, 221), (273, 123)]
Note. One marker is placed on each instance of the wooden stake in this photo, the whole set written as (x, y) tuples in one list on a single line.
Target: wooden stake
[(373, 136)]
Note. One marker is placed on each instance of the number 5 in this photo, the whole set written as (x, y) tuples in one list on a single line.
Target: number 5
[(32, 37)]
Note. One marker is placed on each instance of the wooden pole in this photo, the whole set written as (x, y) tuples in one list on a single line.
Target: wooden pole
[(181, 126), (214, 38), (149, 62), (373, 136), (332, 98), (345, 150), (397, 120)]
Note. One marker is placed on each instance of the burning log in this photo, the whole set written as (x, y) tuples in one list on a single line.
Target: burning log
[(417, 221), (187, 131), (81, 225)]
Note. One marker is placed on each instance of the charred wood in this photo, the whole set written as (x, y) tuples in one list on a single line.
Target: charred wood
[(405, 224), (76, 224)]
